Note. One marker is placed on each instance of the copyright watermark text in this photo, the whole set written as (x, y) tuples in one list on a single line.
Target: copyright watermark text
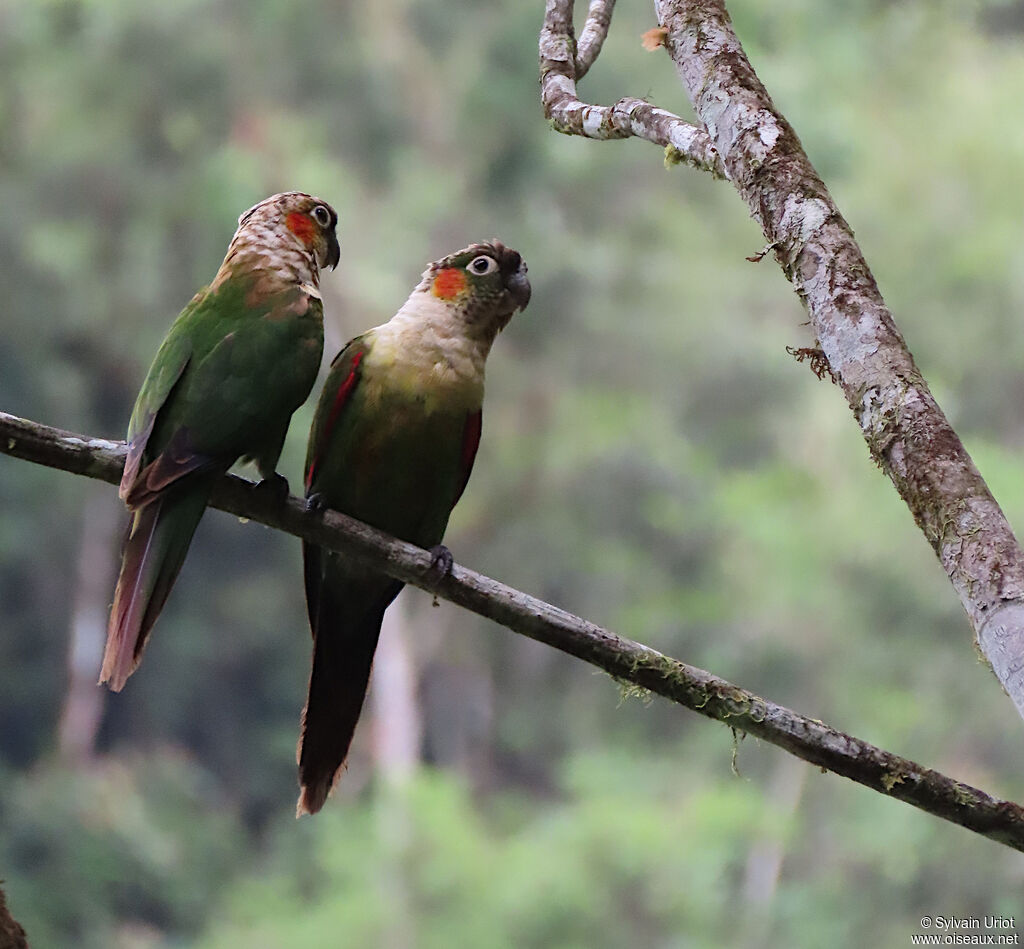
[(967, 931)]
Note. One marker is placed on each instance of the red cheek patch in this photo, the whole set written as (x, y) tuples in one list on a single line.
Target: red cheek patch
[(449, 283), (302, 226)]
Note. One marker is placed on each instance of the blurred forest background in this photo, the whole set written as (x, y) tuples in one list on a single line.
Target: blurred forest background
[(652, 459)]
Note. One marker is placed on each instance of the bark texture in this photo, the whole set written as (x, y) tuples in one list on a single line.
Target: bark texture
[(907, 433), (12, 936), (694, 688), (599, 18)]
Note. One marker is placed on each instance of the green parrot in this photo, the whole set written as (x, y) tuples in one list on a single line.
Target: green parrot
[(392, 444), (236, 363)]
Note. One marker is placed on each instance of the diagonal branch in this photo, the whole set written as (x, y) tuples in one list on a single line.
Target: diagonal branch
[(907, 433), (683, 142), (700, 691)]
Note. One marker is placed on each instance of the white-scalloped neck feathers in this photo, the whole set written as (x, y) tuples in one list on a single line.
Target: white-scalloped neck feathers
[(272, 250)]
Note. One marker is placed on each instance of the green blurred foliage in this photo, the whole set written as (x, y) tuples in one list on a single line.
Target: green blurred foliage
[(142, 842), (628, 854), (652, 459)]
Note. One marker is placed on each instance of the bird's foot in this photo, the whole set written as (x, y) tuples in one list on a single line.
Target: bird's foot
[(316, 503), (441, 561), (276, 487)]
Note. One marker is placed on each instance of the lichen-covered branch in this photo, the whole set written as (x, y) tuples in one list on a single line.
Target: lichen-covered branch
[(683, 142), (906, 432), (701, 691)]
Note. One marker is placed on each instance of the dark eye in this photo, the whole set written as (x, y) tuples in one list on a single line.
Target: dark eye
[(321, 215), (482, 264)]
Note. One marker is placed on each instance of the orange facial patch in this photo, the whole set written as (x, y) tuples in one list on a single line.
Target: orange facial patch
[(449, 283), (302, 226)]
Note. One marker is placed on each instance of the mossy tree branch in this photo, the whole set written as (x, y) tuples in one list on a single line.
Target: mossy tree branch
[(908, 435), (632, 662)]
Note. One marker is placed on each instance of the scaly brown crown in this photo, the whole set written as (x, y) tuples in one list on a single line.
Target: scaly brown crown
[(288, 237)]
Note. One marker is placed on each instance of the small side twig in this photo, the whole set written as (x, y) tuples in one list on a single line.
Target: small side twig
[(763, 252), (599, 18), (816, 358)]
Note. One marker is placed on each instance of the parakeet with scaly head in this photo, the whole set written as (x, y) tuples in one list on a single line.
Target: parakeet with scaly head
[(392, 444), (235, 365)]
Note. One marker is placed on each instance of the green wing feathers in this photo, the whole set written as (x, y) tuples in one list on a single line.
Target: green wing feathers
[(170, 364), (223, 385), (339, 387)]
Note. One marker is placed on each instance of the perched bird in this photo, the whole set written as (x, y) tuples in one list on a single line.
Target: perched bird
[(392, 444), (238, 360)]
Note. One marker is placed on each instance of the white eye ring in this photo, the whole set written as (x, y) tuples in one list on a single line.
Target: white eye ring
[(482, 265), (321, 215)]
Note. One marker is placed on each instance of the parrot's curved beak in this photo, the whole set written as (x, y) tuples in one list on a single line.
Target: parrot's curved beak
[(333, 251), (519, 287)]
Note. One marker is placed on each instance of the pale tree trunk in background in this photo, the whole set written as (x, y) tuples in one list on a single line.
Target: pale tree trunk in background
[(397, 731), (397, 721), (478, 740), (458, 696), (764, 862), (102, 518)]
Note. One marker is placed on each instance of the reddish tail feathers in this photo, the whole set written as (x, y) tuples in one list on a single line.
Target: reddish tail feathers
[(346, 626), (154, 549)]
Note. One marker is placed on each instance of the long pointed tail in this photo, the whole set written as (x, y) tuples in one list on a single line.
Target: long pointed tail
[(346, 626), (154, 550)]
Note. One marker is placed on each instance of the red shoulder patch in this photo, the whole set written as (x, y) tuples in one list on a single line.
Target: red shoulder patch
[(470, 443), (344, 391), (449, 283), (302, 226)]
